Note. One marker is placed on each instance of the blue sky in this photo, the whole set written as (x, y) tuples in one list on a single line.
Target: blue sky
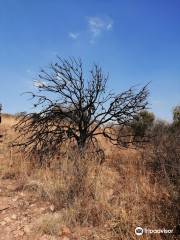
[(134, 41)]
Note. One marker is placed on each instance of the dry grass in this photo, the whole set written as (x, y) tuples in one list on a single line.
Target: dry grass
[(48, 224), (110, 199)]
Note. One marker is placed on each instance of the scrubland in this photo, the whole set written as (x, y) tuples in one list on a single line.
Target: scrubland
[(99, 200)]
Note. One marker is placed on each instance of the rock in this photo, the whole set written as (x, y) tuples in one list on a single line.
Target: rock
[(15, 199), (22, 194), (65, 231), (14, 216), (52, 208), (109, 194), (27, 229), (7, 219), (3, 223), (42, 210)]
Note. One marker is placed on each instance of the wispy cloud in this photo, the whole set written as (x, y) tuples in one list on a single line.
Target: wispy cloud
[(98, 25), (73, 35)]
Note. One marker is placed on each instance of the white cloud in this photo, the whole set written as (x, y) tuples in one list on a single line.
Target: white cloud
[(73, 35), (109, 26), (98, 25)]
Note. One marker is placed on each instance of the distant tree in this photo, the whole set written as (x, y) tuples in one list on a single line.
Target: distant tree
[(142, 124), (72, 108), (20, 114), (176, 116)]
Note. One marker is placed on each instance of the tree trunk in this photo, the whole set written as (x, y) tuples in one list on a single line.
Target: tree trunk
[(82, 142)]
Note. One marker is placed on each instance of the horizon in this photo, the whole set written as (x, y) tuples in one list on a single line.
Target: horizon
[(135, 43)]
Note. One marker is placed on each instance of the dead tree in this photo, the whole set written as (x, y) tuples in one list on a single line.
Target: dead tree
[(71, 107)]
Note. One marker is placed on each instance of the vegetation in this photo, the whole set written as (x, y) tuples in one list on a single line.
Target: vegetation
[(176, 116), (142, 127), (93, 199), (72, 108), (131, 188)]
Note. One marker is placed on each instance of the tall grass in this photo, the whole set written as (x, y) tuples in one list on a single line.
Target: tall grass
[(129, 189)]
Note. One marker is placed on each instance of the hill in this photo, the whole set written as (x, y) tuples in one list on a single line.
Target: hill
[(114, 197)]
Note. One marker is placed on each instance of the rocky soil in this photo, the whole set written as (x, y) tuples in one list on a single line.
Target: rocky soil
[(19, 209)]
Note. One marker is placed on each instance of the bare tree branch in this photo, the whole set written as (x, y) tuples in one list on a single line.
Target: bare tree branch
[(71, 108)]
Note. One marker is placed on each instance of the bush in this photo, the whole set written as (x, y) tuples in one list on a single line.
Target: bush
[(142, 127), (166, 151)]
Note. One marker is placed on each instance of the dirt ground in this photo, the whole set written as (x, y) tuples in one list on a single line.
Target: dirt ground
[(18, 210)]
